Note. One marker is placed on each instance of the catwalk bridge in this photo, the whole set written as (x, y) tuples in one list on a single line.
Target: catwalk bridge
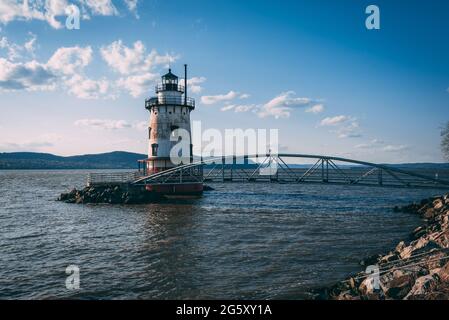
[(270, 168)]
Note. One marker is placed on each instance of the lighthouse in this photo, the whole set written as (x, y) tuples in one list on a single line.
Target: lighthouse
[(169, 111)]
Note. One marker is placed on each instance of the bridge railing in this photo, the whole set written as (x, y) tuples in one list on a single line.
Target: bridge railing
[(325, 169), (109, 178)]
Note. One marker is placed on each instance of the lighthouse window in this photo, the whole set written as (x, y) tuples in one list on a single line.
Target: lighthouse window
[(149, 132), (173, 128), (154, 149)]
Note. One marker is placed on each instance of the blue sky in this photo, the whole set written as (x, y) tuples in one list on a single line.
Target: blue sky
[(308, 68)]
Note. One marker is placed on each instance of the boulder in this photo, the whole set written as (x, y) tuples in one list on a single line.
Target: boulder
[(400, 247), (399, 287), (419, 232), (422, 287), (368, 288), (429, 213), (438, 204), (423, 244), (346, 295), (388, 258), (406, 252), (435, 260), (444, 273), (63, 197)]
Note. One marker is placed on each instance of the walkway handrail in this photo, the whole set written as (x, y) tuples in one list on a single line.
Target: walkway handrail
[(287, 155)]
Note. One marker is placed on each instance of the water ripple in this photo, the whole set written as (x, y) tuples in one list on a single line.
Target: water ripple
[(240, 241)]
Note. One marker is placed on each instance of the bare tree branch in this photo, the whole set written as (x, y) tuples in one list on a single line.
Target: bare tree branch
[(445, 141)]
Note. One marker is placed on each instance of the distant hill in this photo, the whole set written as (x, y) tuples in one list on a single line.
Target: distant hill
[(32, 160), (423, 165), (128, 160)]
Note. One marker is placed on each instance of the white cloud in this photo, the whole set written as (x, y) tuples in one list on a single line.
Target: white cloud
[(374, 143), (69, 60), (395, 148), (11, 48), (103, 124), (278, 107), (208, 100), (363, 146), (244, 107), (377, 141), (108, 124), (239, 108), (333, 121), (69, 63), (228, 107), (16, 51), (350, 130), (11, 10), (51, 11), (141, 126), (132, 6), (137, 66), (126, 60), (282, 105), (123, 59), (29, 76), (85, 88), (318, 108), (25, 146), (194, 84), (138, 84), (39, 143), (100, 7), (30, 45), (66, 69), (347, 127)]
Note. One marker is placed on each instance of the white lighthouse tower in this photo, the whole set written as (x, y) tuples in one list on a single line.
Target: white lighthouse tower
[(169, 111)]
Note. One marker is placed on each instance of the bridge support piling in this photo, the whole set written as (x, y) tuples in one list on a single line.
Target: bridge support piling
[(322, 170), (223, 169), (379, 177)]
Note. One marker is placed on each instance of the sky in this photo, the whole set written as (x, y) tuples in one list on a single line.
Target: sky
[(310, 69)]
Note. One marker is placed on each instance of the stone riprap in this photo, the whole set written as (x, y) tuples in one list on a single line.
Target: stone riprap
[(416, 269)]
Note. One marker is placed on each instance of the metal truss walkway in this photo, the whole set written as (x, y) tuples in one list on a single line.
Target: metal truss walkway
[(270, 168)]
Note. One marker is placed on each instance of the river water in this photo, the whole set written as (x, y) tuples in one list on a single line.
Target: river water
[(252, 241)]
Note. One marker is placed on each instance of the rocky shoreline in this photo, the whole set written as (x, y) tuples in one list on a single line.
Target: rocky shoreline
[(114, 194), (417, 269)]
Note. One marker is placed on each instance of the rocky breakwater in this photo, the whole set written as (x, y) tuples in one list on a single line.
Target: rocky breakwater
[(113, 194), (416, 269)]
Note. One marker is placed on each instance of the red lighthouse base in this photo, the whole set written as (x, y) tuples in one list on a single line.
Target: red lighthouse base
[(177, 190)]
